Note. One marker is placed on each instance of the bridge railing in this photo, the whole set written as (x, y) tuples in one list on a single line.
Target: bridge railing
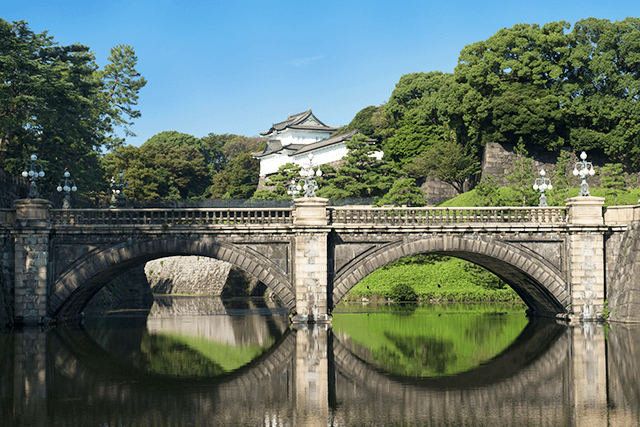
[(439, 216), (172, 217)]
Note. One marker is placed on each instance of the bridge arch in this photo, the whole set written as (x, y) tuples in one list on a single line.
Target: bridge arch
[(539, 283), (73, 288)]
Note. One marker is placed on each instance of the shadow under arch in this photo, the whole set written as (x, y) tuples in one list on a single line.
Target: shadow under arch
[(79, 355), (74, 287), (539, 283), (530, 347)]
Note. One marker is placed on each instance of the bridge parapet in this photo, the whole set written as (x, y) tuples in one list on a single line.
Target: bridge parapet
[(621, 215), (431, 215), (172, 217)]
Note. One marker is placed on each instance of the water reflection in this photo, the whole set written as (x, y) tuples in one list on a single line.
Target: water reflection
[(153, 371), (430, 340)]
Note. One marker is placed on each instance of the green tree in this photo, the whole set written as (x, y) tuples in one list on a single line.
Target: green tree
[(281, 181), (521, 178), (361, 174), (512, 79), (121, 85), (238, 180), (488, 192), (561, 179), (404, 192), (613, 179), (418, 108), (158, 170), (54, 102), (446, 160)]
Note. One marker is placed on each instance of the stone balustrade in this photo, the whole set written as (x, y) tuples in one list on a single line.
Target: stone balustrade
[(167, 217), (431, 215)]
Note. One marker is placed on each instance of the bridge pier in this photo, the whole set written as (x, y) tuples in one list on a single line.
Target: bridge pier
[(311, 261), (587, 257), (31, 260)]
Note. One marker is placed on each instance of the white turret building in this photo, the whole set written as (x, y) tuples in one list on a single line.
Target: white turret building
[(292, 140)]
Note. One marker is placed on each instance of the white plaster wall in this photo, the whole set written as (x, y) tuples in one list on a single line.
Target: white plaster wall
[(322, 157), (301, 137), (271, 164)]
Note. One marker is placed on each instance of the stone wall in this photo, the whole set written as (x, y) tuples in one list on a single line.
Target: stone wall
[(190, 275), (7, 278), (623, 294), (498, 159), (129, 291)]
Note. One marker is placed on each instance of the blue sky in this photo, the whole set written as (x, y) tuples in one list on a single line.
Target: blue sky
[(239, 66)]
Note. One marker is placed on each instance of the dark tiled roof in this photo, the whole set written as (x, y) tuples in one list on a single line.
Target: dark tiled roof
[(275, 146), (297, 122), (332, 140)]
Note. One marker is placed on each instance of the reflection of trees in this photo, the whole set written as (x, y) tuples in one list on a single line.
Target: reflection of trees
[(416, 356), (485, 326), (166, 356)]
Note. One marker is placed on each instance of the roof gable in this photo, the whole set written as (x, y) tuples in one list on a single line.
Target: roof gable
[(301, 121)]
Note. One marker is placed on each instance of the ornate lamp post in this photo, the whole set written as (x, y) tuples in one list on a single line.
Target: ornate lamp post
[(310, 185), (67, 185), (34, 173), (117, 188), (584, 169), (543, 184)]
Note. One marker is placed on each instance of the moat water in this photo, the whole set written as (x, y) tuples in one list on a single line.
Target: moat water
[(198, 361)]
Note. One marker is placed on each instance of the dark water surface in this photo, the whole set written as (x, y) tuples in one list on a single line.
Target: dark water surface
[(202, 362)]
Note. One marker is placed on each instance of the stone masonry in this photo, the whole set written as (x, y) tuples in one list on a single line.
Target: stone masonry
[(191, 275)]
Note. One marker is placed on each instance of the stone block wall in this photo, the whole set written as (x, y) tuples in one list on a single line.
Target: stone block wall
[(191, 275), (498, 159), (129, 291), (623, 294), (7, 278)]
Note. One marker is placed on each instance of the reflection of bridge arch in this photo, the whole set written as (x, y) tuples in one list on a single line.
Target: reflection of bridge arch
[(536, 361), (539, 283), (78, 355), (75, 287)]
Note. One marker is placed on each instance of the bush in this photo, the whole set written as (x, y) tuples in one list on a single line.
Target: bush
[(401, 292)]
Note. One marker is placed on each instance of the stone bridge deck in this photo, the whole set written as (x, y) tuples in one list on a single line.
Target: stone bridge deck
[(311, 255)]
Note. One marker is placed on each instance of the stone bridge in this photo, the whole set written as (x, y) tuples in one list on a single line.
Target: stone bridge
[(560, 260)]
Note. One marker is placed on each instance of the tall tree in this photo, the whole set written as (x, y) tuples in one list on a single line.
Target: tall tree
[(613, 179), (54, 102), (121, 84)]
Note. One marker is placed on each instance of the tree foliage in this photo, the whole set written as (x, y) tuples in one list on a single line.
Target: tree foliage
[(446, 160), (404, 192), (361, 174), (281, 181), (613, 179), (54, 101)]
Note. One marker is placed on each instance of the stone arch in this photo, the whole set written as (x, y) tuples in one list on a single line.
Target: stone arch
[(75, 287), (540, 284)]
